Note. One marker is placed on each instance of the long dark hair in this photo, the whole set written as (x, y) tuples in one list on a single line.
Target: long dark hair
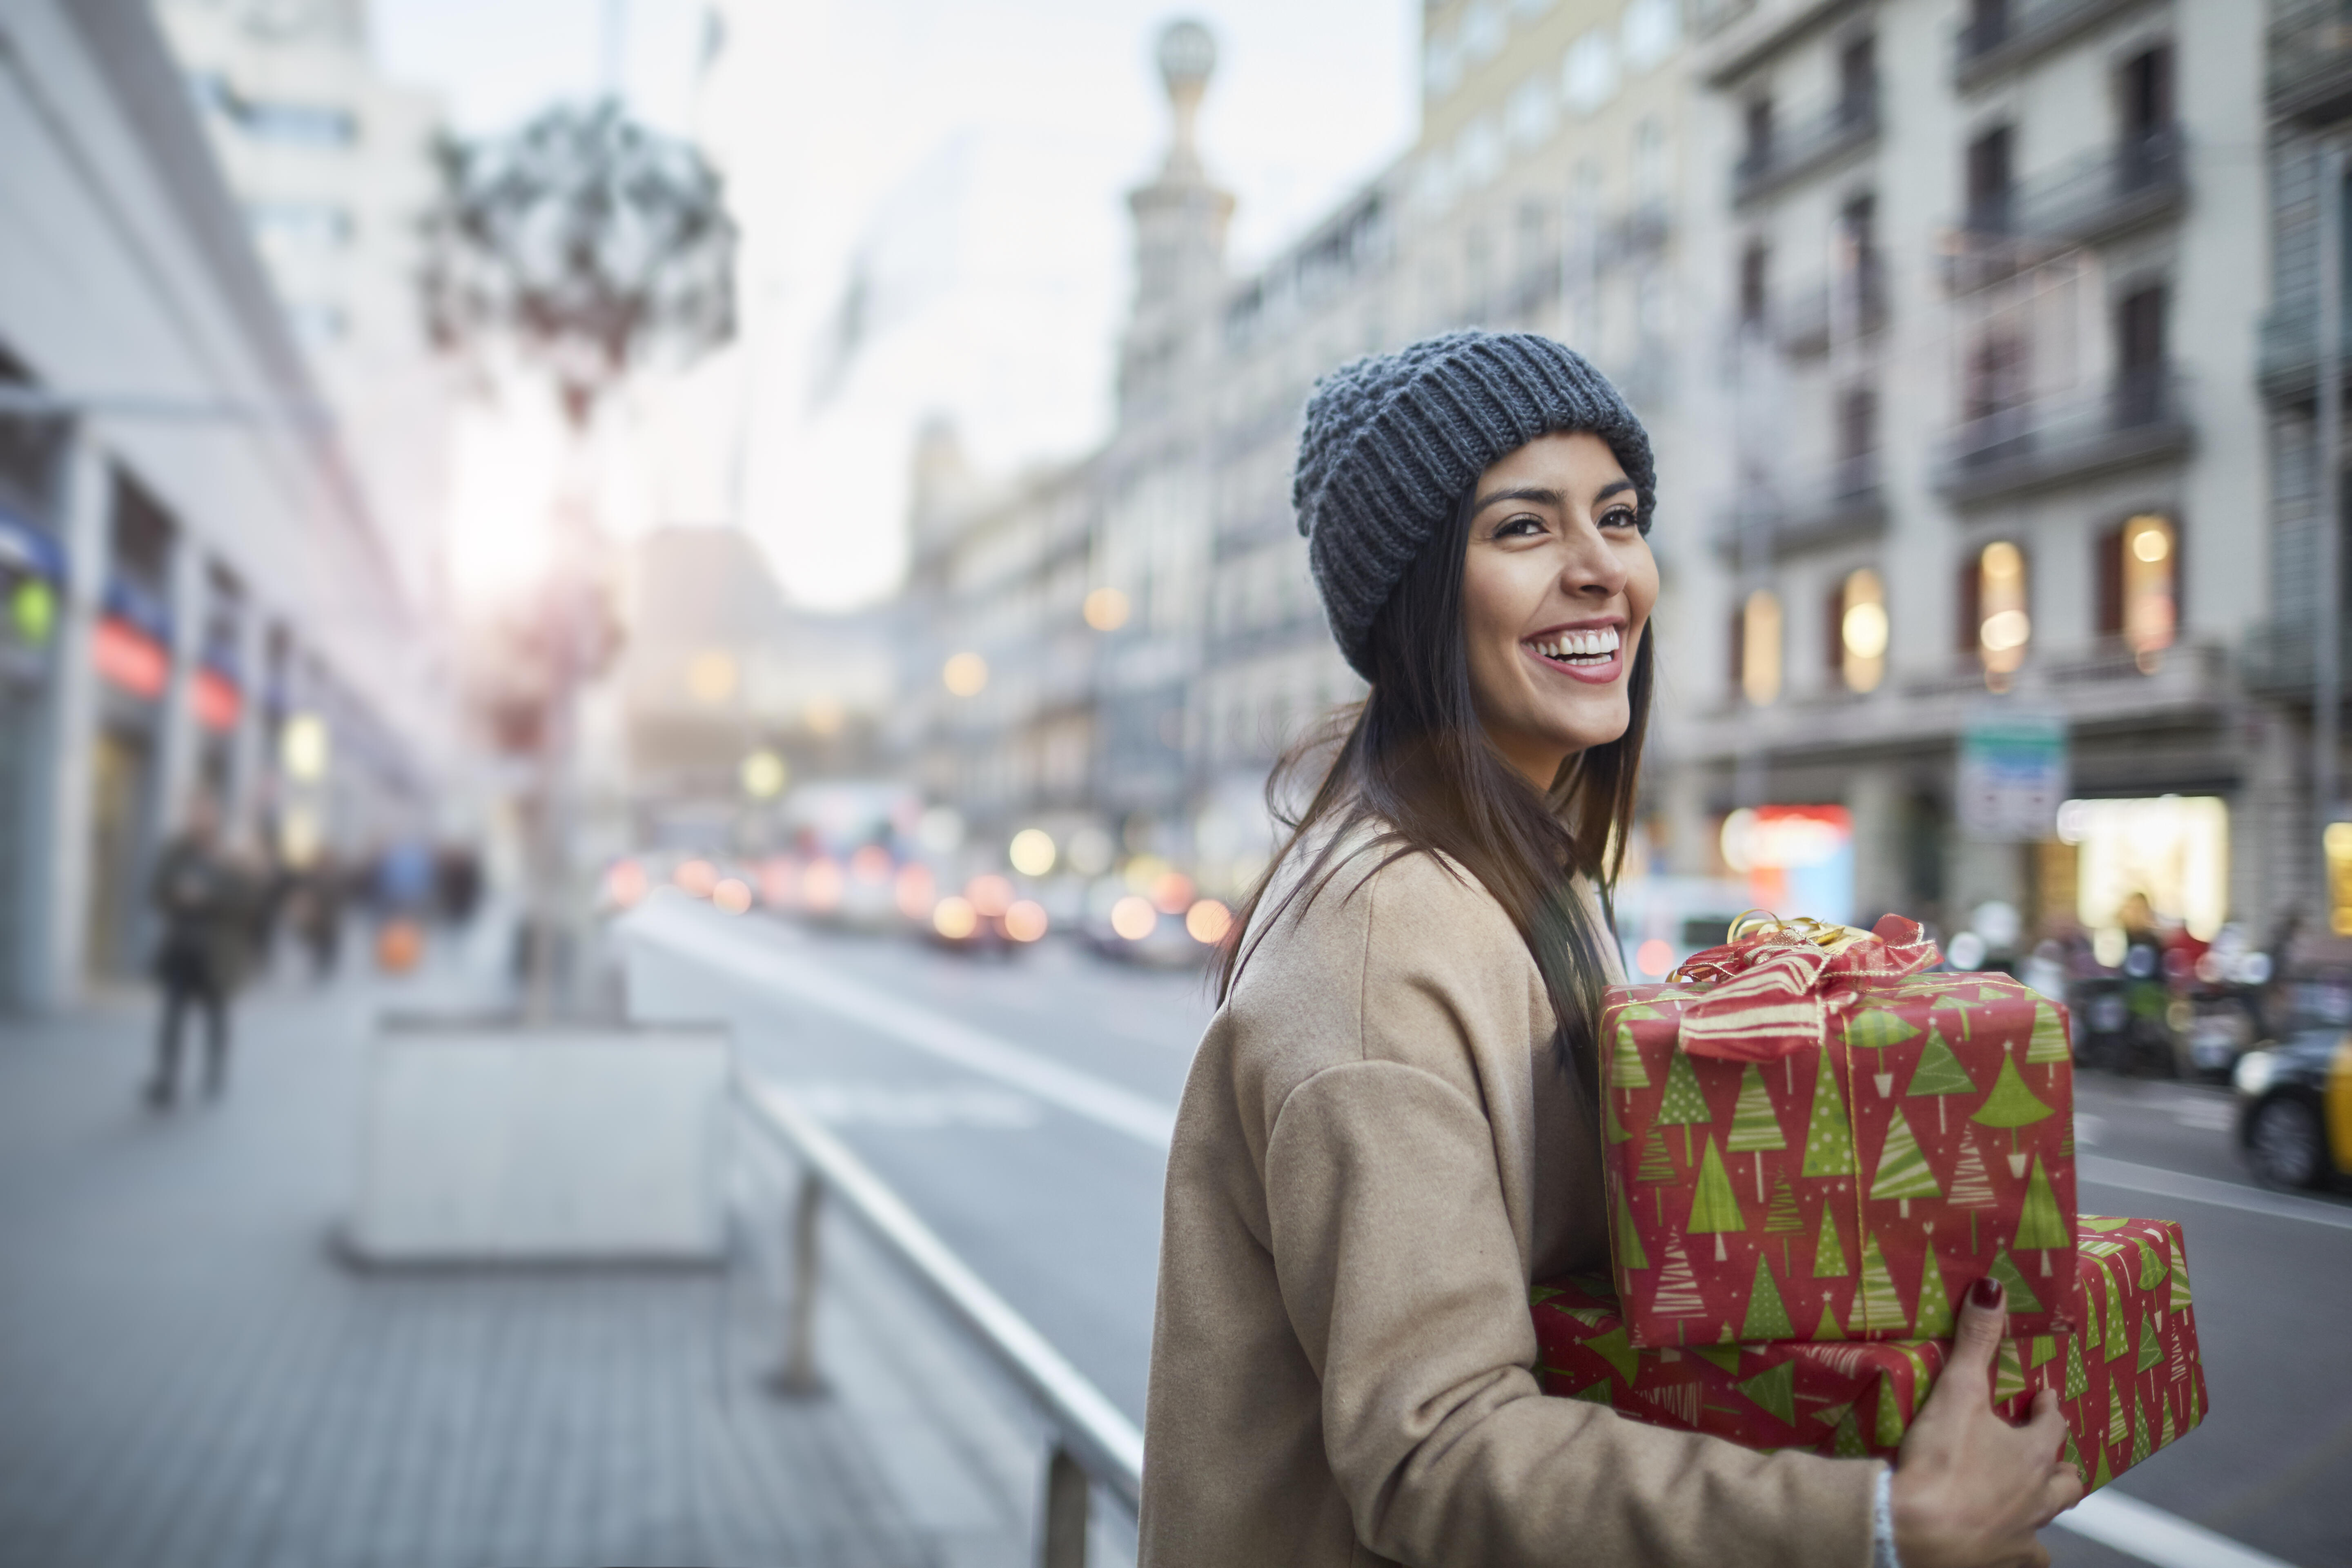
[(1413, 758)]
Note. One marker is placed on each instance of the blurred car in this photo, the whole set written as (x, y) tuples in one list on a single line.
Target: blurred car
[(2294, 1117)]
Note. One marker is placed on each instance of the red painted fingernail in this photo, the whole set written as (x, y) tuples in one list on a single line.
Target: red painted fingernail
[(1987, 1292)]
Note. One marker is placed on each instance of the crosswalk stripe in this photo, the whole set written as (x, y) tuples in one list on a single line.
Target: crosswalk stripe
[(2140, 1530), (2124, 1176), (976, 1050)]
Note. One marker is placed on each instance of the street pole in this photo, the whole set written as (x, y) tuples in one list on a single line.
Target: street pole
[(2326, 640)]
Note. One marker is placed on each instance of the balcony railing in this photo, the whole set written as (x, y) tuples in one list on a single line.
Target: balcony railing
[(1788, 156), (1851, 304), (2281, 659), (2310, 59), (2010, 38), (2139, 181), (1803, 511), (2289, 363), (2143, 417)]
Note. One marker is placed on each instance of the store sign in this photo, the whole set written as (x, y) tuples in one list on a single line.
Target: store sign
[(2013, 773), (130, 658), (216, 699), (1797, 859)]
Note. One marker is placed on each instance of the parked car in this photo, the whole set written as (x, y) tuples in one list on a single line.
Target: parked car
[(2294, 1121)]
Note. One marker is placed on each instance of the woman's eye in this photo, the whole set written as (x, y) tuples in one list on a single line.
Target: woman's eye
[(1519, 528), (1621, 516)]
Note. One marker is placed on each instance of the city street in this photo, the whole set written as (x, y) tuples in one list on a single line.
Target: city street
[(1010, 1101)]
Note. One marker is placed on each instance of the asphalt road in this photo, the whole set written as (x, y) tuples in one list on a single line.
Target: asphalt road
[(1043, 1172)]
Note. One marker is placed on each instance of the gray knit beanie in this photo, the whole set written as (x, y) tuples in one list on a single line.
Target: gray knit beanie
[(1394, 441)]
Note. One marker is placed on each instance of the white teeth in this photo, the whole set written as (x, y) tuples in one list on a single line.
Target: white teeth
[(1597, 644)]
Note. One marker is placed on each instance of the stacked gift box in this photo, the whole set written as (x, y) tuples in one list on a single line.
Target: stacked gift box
[(1812, 1150)]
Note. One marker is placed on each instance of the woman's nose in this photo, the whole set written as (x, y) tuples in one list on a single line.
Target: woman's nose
[(1592, 570)]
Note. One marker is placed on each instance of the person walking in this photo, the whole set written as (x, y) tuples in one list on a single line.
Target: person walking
[(206, 904), (1390, 1127)]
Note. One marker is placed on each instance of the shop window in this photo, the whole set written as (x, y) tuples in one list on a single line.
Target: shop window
[(1757, 647), (1993, 619), (1858, 630), (2139, 587)]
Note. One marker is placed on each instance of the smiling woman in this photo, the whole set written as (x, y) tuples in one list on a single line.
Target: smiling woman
[(1392, 1126)]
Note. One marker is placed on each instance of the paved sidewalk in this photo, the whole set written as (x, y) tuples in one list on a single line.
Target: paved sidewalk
[(192, 1377)]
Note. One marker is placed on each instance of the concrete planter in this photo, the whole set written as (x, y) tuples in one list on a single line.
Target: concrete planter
[(483, 1141)]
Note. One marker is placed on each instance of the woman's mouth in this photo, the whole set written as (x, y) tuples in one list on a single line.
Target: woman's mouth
[(1589, 655)]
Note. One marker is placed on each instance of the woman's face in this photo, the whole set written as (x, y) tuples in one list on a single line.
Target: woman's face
[(1556, 592)]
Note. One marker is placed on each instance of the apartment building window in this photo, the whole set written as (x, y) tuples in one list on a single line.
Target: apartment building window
[(1759, 123), (1858, 80), (1996, 382), (309, 226), (1993, 622), (1991, 179), (1755, 264), (1856, 634), (2146, 94), (1756, 649), (2138, 573), (1987, 26), (1648, 161), (2140, 355), (1858, 440), (1858, 253)]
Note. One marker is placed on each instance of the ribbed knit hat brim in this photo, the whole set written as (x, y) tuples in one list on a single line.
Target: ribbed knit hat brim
[(1393, 442)]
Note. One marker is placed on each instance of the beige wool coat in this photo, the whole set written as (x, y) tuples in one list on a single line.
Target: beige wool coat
[(1374, 1157)]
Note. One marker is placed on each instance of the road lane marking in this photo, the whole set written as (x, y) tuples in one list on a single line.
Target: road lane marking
[(2124, 1176), (845, 1104), (2138, 1530), (738, 953)]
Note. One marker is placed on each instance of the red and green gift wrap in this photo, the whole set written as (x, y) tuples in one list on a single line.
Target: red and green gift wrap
[(1824, 1144), (2128, 1385)]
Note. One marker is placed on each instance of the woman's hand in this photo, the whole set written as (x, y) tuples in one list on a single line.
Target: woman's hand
[(1969, 1488)]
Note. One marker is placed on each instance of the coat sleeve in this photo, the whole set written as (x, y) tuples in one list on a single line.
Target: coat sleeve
[(1402, 1277)]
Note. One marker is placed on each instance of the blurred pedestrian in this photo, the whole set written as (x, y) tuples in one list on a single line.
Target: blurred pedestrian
[(1390, 1127), (206, 902), (318, 898)]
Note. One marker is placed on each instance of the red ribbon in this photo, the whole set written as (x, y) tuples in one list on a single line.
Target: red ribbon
[(1781, 987)]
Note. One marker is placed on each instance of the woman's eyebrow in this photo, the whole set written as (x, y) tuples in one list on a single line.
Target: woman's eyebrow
[(1539, 496), (1610, 490)]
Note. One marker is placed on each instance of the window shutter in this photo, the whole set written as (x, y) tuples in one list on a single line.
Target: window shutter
[(1971, 626), (2109, 574)]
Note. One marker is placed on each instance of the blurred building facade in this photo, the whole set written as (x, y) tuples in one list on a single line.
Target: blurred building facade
[(1948, 340), (716, 668), (2308, 83), (1983, 299), (199, 598), (333, 169)]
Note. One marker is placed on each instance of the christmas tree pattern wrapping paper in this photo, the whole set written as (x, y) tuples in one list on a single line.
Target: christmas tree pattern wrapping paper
[(2128, 1385), (1850, 1186)]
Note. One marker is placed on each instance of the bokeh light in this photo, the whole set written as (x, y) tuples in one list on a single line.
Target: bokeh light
[(1025, 921), (696, 877), (1031, 852), (1208, 921), (955, 919), (1134, 917), (991, 895), (732, 894)]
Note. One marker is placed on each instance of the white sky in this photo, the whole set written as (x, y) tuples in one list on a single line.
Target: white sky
[(975, 155)]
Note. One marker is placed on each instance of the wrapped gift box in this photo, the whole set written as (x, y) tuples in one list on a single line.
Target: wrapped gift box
[(2128, 1383), (1845, 1168)]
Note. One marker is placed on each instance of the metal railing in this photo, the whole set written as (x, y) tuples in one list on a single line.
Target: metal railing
[(2310, 75), (1789, 155), (1799, 510), (2142, 417), (2102, 194), (1094, 1444), (2005, 38)]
